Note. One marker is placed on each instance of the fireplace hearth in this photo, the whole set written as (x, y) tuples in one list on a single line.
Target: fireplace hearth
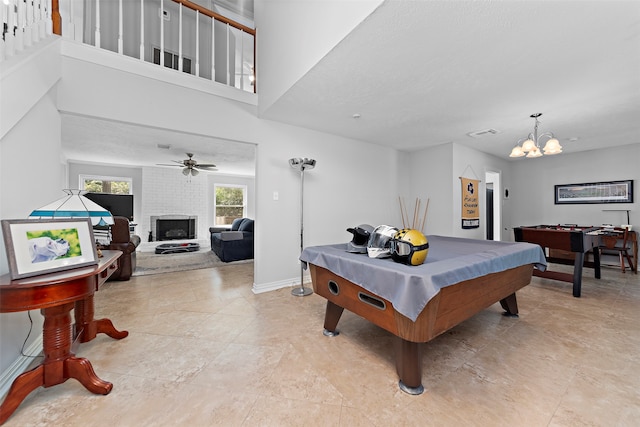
[(174, 227)]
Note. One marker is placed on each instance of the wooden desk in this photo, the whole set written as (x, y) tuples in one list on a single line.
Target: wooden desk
[(56, 294)]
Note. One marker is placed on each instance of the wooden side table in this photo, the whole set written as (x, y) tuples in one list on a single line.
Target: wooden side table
[(56, 294)]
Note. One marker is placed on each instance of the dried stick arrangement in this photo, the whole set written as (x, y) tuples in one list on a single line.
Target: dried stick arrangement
[(416, 224)]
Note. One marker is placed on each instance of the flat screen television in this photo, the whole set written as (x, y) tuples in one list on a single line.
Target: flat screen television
[(117, 204)]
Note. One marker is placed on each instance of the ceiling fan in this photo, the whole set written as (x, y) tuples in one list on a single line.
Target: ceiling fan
[(190, 166)]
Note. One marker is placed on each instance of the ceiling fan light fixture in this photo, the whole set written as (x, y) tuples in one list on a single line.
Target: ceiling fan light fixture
[(185, 171)]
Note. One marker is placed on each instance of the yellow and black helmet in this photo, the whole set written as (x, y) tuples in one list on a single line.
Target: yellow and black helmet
[(409, 246)]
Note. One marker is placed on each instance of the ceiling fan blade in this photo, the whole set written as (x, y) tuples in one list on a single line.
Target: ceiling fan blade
[(190, 166)]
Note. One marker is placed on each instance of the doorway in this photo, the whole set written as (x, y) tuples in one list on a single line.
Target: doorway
[(493, 208)]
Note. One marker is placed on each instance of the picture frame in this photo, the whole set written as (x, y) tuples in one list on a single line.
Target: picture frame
[(41, 246), (594, 192)]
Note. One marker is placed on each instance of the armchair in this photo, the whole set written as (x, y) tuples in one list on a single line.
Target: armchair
[(123, 240)]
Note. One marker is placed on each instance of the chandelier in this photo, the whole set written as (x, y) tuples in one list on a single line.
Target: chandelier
[(531, 145)]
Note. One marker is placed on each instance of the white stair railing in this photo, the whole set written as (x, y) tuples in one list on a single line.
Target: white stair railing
[(23, 24)]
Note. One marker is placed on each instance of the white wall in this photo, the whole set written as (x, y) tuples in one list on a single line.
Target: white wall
[(435, 175), (531, 199), (435, 172), (530, 183), (40, 67), (430, 171), (342, 191), (32, 144), (472, 163)]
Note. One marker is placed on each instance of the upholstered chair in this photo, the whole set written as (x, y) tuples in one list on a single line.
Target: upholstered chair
[(123, 240)]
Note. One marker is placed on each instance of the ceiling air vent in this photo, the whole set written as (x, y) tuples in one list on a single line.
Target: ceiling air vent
[(484, 132)]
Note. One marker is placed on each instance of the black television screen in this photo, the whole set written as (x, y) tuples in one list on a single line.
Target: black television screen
[(117, 204)]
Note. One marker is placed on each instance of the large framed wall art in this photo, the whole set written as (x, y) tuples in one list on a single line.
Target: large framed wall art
[(594, 192)]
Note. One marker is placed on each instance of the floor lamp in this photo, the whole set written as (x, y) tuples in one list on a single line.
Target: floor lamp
[(301, 164)]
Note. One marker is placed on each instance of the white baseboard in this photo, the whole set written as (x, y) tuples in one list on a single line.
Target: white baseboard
[(273, 286), (20, 365)]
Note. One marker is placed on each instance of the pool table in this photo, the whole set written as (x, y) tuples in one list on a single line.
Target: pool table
[(571, 238), (459, 278)]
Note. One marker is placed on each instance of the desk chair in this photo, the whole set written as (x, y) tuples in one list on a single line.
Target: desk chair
[(623, 251)]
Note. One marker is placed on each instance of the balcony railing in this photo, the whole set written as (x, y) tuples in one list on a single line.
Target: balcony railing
[(177, 34), (23, 24)]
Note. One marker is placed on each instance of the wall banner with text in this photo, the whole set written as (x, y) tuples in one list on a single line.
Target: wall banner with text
[(470, 202)]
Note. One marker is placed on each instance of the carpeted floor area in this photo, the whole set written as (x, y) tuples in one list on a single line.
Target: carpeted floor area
[(150, 263)]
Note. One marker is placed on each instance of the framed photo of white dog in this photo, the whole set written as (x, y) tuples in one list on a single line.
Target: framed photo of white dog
[(41, 246)]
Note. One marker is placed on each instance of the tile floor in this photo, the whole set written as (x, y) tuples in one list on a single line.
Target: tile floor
[(204, 350)]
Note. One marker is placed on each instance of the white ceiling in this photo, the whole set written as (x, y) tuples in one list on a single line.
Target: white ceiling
[(90, 140), (424, 73)]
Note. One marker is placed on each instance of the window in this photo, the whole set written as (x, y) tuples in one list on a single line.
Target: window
[(231, 203), (105, 184), (171, 60)]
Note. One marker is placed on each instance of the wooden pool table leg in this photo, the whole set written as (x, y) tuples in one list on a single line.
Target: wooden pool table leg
[(409, 366), (331, 318), (510, 305)]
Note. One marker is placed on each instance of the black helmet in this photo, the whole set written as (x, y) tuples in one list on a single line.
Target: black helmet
[(361, 235)]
